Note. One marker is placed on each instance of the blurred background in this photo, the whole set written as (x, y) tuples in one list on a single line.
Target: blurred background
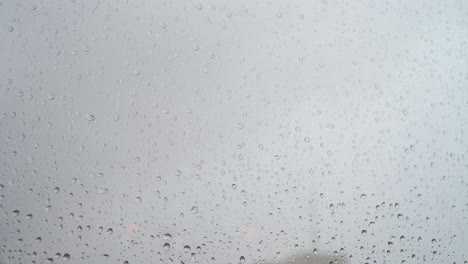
[(233, 131)]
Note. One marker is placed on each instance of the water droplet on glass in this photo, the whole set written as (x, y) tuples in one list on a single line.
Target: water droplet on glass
[(187, 248), (90, 117), (166, 246)]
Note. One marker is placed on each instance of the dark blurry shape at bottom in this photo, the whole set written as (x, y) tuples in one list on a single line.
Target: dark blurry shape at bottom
[(309, 258)]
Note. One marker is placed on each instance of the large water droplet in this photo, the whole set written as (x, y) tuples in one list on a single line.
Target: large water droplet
[(187, 248), (166, 246)]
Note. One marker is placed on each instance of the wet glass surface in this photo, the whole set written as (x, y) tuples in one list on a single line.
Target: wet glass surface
[(254, 132)]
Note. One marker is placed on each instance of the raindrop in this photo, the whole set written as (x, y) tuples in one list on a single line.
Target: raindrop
[(166, 246), (90, 117), (187, 248)]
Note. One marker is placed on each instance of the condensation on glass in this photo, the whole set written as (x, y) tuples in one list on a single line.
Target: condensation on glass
[(233, 131)]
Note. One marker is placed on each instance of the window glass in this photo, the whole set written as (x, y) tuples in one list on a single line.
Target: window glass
[(233, 131)]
